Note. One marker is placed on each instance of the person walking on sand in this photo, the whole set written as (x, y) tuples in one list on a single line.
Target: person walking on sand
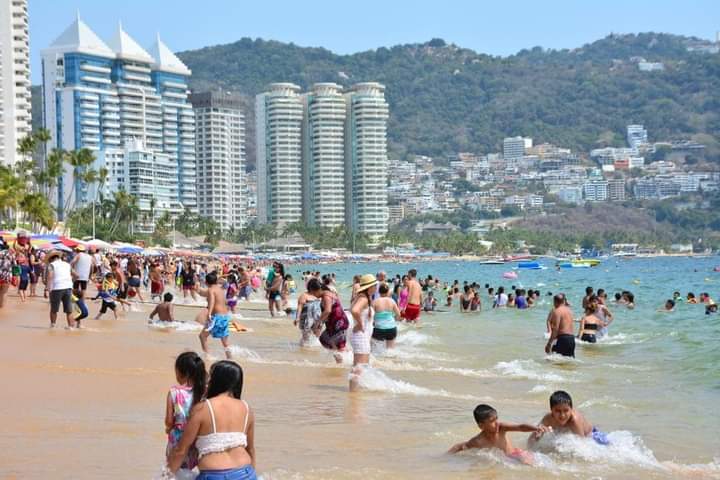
[(60, 283), (562, 338), (217, 316), (82, 268)]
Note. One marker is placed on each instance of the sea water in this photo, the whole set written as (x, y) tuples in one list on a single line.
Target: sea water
[(653, 384)]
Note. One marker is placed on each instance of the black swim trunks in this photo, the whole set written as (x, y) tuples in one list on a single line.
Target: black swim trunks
[(565, 345), (588, 337), (384, 334)]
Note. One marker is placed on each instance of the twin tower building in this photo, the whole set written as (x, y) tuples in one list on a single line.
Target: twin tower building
[(321, 156)]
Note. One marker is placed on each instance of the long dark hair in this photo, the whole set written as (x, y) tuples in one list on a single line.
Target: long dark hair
[(190, 366), (226, 376)]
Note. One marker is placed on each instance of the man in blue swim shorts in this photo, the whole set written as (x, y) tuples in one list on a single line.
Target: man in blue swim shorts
[(217, 316)]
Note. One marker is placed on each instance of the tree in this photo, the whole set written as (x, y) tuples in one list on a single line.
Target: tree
[(80, 161)]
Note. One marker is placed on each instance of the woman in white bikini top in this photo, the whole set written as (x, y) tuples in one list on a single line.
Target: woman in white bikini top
[(222, 428)]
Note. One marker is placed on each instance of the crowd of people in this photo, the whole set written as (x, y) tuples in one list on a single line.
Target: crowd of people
[(209, 425)]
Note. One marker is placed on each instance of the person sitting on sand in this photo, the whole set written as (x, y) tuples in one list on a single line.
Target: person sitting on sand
[(164, 311), (493, 434), (563, 418)]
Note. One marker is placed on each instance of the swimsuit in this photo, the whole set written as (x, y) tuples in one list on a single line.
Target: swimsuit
[(218, 325), (589, 337), (360, 341), (218, 442), (334, 335), (412, 312), (565, 345), (385, 327), (599, 437), (181, 397)]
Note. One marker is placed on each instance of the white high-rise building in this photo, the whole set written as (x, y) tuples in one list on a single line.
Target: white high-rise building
[(101, 95), (15, 121), (513, 150), (636, 136), (324, 156), (279, 120), (220, 142), (148, 175), (366, 162)]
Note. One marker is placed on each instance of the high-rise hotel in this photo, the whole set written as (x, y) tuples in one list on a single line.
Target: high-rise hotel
[(14, 78), (220, 137), (279, 122), (102, 96), (322, 156)]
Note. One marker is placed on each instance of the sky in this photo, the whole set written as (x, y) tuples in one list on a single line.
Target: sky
[(493, 27)]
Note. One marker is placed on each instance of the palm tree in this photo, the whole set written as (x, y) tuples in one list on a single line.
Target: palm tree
[(12, 189), (80, 160), (37, 209)]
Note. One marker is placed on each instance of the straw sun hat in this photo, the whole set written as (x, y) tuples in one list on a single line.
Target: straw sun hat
[(367, 281)]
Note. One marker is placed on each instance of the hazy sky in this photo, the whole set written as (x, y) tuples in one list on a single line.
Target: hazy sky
[(494, 27)]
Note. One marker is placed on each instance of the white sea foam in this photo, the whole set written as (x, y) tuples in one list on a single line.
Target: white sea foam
[(624, 449), (374, 380), (604, 400), (541, 389), (415, 338), (622, 339), (528, 370), (177, 326)]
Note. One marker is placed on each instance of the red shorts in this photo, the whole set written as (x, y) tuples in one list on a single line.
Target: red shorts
[(412, 312), (156, 288)]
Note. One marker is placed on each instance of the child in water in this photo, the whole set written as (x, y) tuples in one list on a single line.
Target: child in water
[(190, 375), (493, 434), (563, 418), (164, 311)]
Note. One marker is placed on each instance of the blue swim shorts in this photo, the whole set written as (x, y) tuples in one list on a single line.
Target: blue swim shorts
[(243, 473), (218, 325)]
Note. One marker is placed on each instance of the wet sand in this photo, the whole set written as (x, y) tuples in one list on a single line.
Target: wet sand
[(90, 404)]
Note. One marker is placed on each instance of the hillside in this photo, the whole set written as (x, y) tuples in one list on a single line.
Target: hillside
[(446, 99)]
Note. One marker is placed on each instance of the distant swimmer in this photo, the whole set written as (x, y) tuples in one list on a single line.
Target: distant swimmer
[(691, 300), (669, 306), (560, 320), (493, 434), (563, 418)]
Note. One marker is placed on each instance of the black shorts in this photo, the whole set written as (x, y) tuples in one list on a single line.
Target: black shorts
[(61, 296), (23, 284), (107, 306), (80, 285), (382, 334), (588, 337), (565, 345), (122, 293)]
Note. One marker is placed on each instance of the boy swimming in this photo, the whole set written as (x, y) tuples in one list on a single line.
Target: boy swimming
[(563, 418), (164, 311), (493, 434)]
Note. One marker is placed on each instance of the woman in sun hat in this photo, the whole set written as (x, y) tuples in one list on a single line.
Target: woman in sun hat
[(362, 314)]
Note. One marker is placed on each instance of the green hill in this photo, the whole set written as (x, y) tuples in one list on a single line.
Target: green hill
[(446, 99)]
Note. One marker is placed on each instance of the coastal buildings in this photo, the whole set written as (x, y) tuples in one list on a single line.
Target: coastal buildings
[(279, 121), (100, 96), (616, 189), (514, 150), (148, 175), (322, 156), (220, 147), (14, 78), (637, 136), (366, 159)]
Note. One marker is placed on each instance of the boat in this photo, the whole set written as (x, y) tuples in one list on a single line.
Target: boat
[(580, 263), (530, 266), (518, 257), (492, 261)]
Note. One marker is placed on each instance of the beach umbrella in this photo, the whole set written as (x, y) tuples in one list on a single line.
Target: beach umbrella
[(99, 244), (129, 249), (61, 246), (151, 252)]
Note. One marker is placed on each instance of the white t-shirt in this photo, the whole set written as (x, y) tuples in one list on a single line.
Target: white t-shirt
[(501, 299), (62, 278), (82, 266)]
